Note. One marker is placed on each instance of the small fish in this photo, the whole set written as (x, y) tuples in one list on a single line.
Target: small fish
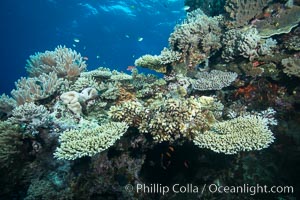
[(130, 68), (97, 56), (85, 58), (171, 148), (186, 8), (140, 39), (74, 45), (168, 154), (186, 164), (76, 40), (127, 36)]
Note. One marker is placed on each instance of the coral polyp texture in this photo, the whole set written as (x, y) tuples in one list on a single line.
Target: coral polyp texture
[(63, 61), (245, 133), (89, 141)]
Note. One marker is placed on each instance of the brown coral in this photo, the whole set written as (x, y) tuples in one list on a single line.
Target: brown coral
[(242, 11)]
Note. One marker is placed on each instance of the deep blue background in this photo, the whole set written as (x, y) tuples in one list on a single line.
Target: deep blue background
[(107, 29)]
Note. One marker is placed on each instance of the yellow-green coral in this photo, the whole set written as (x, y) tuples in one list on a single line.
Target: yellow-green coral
[(245, 133), (89, 141), (166, 119), (151, 62)]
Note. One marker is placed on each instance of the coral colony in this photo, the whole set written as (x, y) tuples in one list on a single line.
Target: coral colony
[(221, 89)]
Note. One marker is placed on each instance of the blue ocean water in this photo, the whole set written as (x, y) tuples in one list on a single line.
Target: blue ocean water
[(109, 33)]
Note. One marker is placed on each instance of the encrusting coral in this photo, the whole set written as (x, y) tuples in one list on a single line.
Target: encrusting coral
[(89, 141)]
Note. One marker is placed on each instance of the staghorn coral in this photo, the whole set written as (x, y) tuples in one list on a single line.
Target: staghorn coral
[(214, 80), (283, 22), (31, 117), (63, 61), (36, 88), (242, 11), (197, 38), (291, 66), (245, 133), (238, 42), (7, 104), (89, 141)]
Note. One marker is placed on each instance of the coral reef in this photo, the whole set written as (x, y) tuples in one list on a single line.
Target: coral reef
[(291, 66), (214, 80), (36, 88), (31, 117), (10, 144), (166, 119), (281, 23), (197, 38), (63, 61), (88, 142), (67, 133), (74, 100), (244, 133), (237, 42), (7, 104), (241, 12)]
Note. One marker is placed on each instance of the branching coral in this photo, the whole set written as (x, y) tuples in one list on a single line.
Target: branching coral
[(101, 72), (245, 133), (151, 62), (31, 117), (63, 61), (88, 142), (7, 104), (197, 38), (214, 80), (291, 66), (238, 42), (36, 88), (165, 119)]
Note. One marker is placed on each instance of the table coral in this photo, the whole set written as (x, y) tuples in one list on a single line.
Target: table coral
[(245, 133), (89, 141)]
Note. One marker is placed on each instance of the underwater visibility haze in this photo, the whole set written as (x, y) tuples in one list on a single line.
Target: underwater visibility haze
[(171, 99)]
